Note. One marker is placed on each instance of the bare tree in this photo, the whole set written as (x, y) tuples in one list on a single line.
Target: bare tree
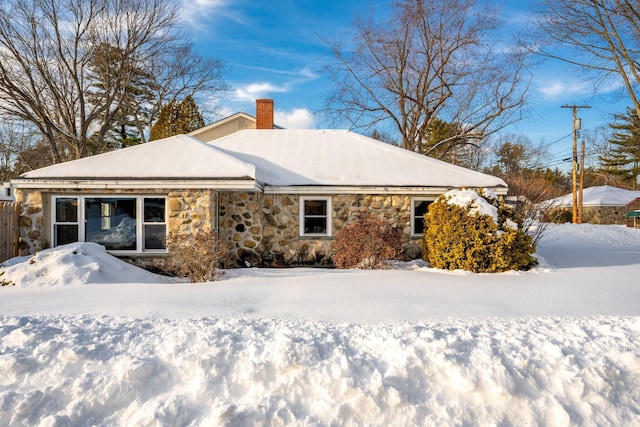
[(15, 138), (48, 53), (603, 37), (431, 60)]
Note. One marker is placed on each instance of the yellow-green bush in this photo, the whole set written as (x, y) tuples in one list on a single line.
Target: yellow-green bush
[(461, 237)]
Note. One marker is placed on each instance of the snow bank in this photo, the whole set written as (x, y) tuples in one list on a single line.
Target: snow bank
[(63, 371), (73, 264), (555, 346)]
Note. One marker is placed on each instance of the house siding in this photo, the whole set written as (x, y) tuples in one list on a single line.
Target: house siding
[(187, 211), (263, 229), (224, 129)]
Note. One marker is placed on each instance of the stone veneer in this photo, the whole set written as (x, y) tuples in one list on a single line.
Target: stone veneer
[(595, 214), (263, 229), (188, 211)]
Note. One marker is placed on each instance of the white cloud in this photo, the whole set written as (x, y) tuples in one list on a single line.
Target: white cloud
[(258, 90), (196, 12), (298, 118), (557, 88)]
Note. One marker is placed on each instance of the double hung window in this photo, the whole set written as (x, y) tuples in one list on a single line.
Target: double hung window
[(315, 216), (419, 207)]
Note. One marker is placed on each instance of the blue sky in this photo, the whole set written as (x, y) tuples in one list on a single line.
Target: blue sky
[(274, 49)]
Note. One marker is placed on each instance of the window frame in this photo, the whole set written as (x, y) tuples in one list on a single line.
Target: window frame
[(328, 216), (55, 222), (140, 223), (415, 200)]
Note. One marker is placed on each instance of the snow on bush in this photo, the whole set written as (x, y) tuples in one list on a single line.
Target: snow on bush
[(475, 231)]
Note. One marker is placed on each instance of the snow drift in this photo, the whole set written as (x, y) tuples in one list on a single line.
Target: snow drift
[(555, 346)]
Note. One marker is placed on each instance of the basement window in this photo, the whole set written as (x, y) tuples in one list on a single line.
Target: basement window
[(315, 216)]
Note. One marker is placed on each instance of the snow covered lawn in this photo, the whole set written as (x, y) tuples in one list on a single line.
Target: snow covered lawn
[(86, 340)]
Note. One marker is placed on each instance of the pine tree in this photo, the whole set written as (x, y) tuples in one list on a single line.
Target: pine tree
[(135, 92), (177, 118), (624, 158)]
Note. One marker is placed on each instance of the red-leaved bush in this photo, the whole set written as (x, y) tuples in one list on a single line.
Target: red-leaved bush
[(366, 243)]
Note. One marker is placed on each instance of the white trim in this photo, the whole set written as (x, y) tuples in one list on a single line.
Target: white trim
[(422, 191), (329, 216), (81, 218), (142, 184), (413, 212)]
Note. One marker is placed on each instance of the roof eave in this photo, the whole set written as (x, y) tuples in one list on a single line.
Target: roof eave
[(359, 189), (237, 184)]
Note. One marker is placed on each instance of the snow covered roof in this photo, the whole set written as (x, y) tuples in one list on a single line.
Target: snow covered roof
[(251, 159), (299, 157), (176, 157), (604, 195)]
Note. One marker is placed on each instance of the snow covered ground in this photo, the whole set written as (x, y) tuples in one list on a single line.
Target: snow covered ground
[(87, 340)]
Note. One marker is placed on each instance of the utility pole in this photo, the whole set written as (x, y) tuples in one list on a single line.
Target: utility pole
[(576, 128), (581, 186)]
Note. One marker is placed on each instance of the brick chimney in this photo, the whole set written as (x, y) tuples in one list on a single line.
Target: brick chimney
[(264, 113)]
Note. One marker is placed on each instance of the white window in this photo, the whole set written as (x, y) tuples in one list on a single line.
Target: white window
[(315, 216), (122, 223), (65, 220), (419, 207)]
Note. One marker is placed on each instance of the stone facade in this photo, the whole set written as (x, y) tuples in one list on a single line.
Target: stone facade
[(262, 229), (188, 211), (590, 215), (33, 234)]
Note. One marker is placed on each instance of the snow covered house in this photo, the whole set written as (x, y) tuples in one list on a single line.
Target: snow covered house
[(278, 196), (602, 204), (633, 213)]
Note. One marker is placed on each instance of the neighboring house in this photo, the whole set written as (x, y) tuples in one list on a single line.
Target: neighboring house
[(278, 196), (237, 122), (5, 192), (633, 213), (600, 204)]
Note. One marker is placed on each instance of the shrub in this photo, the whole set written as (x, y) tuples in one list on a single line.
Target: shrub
[(366, 243), (199, 256), (485, 235)]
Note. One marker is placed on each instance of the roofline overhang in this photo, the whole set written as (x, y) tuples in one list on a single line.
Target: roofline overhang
[(408, 190), (128, 184)]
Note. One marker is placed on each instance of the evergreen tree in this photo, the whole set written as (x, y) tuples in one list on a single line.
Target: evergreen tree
[(177, 118), (136, 94), (624, 158)]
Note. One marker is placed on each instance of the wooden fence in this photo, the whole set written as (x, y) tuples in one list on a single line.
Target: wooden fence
[(9, 230)]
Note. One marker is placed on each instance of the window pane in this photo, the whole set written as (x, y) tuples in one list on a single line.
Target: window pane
[(315, 225), (154, 210), (67, 210), (65, 234), (315, 207), (420, 208), (155, 237), (111, 222)]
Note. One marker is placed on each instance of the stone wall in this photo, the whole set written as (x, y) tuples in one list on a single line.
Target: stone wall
[(188, 211), (591, 215), (263, 229), (33, 235)]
